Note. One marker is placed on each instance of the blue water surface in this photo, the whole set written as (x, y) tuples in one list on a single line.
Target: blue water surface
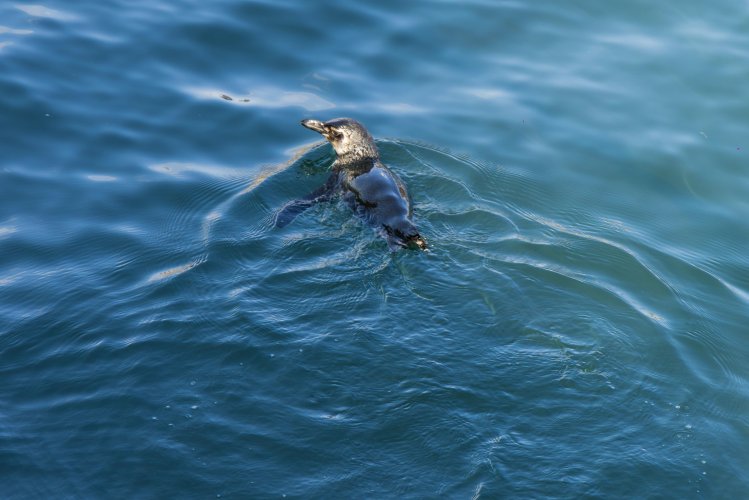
[(578, 328)]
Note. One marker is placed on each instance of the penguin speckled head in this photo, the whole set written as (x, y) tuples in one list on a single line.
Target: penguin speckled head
[(348, 137)]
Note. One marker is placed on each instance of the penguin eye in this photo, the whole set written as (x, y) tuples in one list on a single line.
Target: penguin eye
[(333, 134)]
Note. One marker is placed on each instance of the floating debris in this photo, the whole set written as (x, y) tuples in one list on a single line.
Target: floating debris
[(230, 98)]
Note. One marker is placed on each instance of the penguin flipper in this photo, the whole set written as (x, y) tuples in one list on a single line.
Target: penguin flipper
[(289, 211)]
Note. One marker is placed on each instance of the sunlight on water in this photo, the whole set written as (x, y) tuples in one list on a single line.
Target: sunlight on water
[(101, 178), (177, 169), (6, 230), (4, 30), (45, 12), (174, 271)]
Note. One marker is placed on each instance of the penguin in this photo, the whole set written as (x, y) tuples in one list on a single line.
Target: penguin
[(367, 185)]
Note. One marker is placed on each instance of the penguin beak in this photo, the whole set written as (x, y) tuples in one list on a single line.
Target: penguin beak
[(315, 125)]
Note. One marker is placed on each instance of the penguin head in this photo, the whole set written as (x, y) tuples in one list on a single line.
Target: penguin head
[(348, 137)]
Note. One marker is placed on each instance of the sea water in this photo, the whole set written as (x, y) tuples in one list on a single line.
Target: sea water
[(578, 329)]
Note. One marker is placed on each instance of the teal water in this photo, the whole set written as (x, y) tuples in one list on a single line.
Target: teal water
[(578, 329)]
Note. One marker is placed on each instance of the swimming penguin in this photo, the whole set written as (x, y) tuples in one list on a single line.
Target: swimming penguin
[(370, 188)]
